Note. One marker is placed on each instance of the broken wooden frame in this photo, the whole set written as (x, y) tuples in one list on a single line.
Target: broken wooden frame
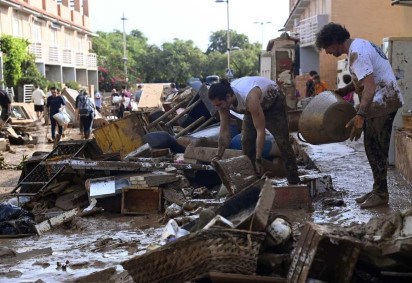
[(44, 173)]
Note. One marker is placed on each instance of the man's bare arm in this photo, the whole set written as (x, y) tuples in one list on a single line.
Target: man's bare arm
[(224, 136), (258, 117)]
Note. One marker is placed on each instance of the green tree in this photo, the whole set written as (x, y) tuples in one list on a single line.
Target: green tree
[(15, 52), (174, 61), (181, 60), (218, 41)]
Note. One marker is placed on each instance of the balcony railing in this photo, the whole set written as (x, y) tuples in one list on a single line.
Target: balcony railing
[(91, 59), (80, 59), (309, 27), (36, 50), (67, 56), (51, 54)]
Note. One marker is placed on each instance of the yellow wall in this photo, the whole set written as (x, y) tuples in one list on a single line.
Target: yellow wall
[(369, 19)]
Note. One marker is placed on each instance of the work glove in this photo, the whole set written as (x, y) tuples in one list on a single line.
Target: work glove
[(356, 125), (258, 166)]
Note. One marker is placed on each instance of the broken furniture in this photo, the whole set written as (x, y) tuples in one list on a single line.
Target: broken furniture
[(198, 114), (323, 255), (122, 135), (44, 173), (236, 173), (248, 209), (195, 255)]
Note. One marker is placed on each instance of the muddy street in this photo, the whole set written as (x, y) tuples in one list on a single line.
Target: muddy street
[(91, 249)]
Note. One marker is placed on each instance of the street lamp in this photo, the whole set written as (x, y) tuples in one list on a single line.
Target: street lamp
[(229, 73), (124, 49), (261, 24)]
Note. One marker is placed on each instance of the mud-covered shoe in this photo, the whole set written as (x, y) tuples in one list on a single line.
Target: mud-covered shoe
[(363, 198), (375, 200)]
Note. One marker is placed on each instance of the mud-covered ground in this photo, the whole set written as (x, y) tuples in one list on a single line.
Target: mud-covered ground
[(103, 241)]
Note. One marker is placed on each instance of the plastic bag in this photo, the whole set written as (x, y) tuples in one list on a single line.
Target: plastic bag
[(62, 118)]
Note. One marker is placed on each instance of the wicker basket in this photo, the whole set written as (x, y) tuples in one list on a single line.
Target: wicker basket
[(193, 256), (407, 121)]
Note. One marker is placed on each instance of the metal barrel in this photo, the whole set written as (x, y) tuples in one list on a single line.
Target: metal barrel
[(324, 118)]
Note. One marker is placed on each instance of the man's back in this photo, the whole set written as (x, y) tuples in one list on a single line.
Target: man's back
[(38, 96)]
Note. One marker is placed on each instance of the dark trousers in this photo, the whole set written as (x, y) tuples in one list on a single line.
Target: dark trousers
[(86, 122), (5, 114), (276, 122), (377, 136), (53, 124)]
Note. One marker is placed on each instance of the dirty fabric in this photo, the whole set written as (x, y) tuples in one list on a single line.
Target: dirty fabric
[(277, 124), (161, 139), (15, 220), (377, 135)]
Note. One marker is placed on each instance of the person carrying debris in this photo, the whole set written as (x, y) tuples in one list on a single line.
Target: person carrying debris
[(380, 98), (264, 107), (85, 112), (54, 105)]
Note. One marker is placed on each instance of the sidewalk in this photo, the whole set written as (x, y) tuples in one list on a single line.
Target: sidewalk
[(348, 166)]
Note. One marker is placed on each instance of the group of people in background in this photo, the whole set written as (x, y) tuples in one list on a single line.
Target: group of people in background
[(47, 105)]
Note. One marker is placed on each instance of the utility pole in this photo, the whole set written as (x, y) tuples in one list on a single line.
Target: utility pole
[(124, 48), (229, 72), (261, 25)]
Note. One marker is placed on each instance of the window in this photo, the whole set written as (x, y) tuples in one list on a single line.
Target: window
[(53, 37), (68, 40), (79, 43), (36, 32), (16, 27)]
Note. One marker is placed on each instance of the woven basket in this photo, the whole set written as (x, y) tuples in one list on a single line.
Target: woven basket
[(193, 256)]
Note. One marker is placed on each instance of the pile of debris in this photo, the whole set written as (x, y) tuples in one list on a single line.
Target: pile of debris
[(222, 222)]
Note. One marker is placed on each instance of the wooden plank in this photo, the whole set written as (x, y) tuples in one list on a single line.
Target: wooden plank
[(55, 221), (151, 96), (403, 153), (339, 255), (300, 254), (82, 164), (263, 206)]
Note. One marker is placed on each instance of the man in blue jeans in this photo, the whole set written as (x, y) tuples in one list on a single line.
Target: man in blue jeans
[(54, 105)]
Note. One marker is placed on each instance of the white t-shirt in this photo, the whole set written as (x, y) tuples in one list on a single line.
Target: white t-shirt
[(244, 85), (38, 96), (366, 58)]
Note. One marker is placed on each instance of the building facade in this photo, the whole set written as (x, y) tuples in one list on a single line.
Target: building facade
[(59, 34), (370, 19)]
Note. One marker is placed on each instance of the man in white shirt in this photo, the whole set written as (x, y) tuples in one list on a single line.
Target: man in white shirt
[(264, 107), (380, 98), (38, 97)]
